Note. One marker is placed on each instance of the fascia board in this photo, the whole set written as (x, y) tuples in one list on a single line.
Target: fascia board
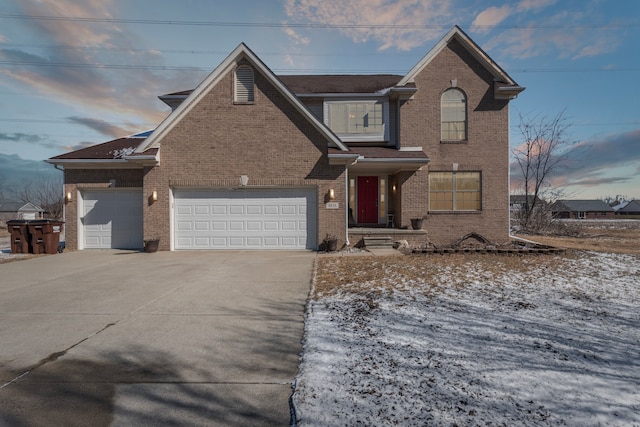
[(94, 163), (345, 95), (471, 46), (391, 161)]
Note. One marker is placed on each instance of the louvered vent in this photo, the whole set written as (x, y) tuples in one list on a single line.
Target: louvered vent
[(244, 84)]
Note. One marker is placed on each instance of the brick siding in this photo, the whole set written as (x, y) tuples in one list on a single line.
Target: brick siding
[(217, 141), (486, 149)]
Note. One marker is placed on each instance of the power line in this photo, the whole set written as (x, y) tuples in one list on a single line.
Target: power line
[(193, 52), (68, 122), (297, 25), (297, 70)]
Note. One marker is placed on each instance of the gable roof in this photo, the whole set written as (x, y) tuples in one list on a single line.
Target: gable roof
[(120, 152), (316, 84), (240, 52), (12, 206), (581, 206), (340, 83), (631, 207), (505, 85)]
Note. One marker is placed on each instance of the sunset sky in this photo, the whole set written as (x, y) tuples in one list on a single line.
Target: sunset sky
[(76, 73)]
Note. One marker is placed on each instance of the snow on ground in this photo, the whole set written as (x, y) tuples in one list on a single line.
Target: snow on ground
[(555, 341)]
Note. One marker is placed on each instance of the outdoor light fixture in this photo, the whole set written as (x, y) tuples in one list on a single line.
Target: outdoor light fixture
[(154, 196), (394, 187), (68, 196), (244, 180), (332, 194)]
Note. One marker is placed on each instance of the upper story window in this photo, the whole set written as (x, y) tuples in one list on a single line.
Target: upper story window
[(243, 84), (357, 120), (453, 110)]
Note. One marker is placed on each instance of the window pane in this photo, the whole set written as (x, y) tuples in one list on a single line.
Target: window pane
[(441, 181), (338, 117), (453, 111), (356, 117), (468, 181)]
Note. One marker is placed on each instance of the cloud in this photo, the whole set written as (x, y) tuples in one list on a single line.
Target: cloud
[(595, 162), (399, 24), (575, 41), (21, 137), (101, 126), (535, 5), (490, 17), (296, 37), (15, 171), (70, 70), (32, 139)]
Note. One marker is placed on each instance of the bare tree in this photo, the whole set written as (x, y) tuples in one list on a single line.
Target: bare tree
[(544, 151), (46, 192)]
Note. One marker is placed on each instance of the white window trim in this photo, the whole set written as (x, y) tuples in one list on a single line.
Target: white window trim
[(362, 137)]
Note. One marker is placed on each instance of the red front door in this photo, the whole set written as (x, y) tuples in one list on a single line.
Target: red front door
[(367, 199)]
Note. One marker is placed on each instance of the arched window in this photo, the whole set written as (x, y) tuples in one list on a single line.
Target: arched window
[(453, 113), (244, 84)]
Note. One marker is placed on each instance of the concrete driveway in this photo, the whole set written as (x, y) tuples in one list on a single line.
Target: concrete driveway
[(171, 338)]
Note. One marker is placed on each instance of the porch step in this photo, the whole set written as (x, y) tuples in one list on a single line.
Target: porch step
[(378, 242)]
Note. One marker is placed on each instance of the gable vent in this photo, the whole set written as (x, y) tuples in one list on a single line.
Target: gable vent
[(244, 84)]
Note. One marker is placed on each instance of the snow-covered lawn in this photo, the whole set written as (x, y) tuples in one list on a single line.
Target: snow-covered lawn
[(466, 340)]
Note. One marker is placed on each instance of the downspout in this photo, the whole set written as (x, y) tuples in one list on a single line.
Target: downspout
[(346, 204)]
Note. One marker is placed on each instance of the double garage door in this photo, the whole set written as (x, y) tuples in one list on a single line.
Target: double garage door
[(112, 219), (245, 219)]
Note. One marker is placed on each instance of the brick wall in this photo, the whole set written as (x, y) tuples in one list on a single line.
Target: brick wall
[(217, 141), (486, 149)]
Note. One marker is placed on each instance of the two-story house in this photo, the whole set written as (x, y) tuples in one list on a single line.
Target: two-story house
[(251, 160)]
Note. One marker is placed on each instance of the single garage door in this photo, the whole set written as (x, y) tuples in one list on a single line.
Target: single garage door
[(245, 219), (112, 219)]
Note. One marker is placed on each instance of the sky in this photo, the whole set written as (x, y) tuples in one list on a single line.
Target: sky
[(75, 73)]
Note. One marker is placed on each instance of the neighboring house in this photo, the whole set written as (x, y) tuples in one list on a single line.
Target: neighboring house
[(20, 210), (618, 204), (253, 160), (517, 204), (581, 209), (629, 208)]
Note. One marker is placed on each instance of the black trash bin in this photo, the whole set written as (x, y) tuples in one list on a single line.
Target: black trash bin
[(20, 238), (45, 235)]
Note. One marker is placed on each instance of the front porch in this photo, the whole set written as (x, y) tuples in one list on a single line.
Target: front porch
[(359, 235)]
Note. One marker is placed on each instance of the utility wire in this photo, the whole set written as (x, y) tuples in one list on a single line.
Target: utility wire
[(294, 25), (296, 70)]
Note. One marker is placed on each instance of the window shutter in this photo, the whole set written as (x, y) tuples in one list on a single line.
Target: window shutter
[(244, 84)]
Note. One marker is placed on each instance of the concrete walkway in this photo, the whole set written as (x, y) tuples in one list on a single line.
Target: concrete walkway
[(172, 338)]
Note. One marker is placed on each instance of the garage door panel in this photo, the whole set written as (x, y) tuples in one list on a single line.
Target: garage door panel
[(201, 226), (252, 219), (219, 225), (202, 210)]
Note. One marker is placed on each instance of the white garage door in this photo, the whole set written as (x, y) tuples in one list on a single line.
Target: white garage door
[(245, 219), (112, 219)]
